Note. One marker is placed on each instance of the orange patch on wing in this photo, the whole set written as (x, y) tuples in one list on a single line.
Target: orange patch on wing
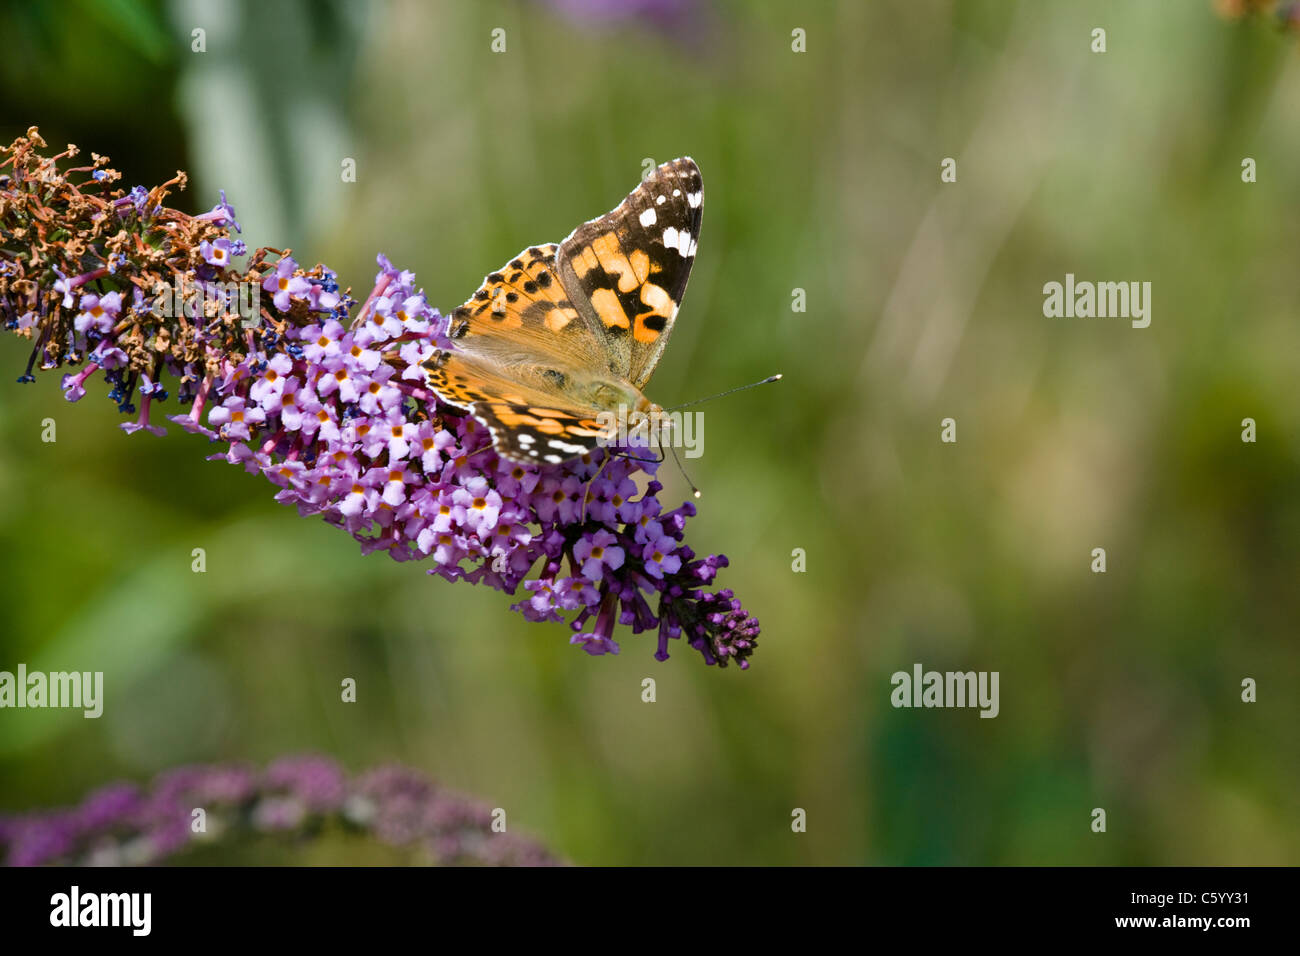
[(661, 304), (584, 262), (609, 309), (511, 418), (557, 319), (640, 265), (610, 253)]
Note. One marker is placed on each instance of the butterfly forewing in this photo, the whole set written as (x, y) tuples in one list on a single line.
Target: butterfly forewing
[(627, 270)]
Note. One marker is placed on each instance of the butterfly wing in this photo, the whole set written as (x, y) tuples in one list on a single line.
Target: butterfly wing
[(521, 313), (525, 409), (516, 341), (626, 272), (600, 303)]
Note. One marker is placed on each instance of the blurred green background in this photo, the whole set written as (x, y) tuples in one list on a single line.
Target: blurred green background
[(924, 300)]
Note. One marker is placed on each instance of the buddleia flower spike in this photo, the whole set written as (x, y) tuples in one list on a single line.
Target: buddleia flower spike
[(327, 399)]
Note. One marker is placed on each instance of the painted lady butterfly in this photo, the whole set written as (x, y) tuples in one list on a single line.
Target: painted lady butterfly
[(563, 333)]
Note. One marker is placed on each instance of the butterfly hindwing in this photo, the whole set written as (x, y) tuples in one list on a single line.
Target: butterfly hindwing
[(627, 271), (526, 410)]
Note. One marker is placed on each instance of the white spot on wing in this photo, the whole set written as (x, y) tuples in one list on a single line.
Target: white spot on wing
[(566, 447), (694, 199), (648, 218), (670, 237), (553, 459), (677, 192), (684, 243), (661, 200)]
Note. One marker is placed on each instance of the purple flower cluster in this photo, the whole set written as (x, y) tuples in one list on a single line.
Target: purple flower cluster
[(338, 417), (334, 410), (684, 19), (123, 824)]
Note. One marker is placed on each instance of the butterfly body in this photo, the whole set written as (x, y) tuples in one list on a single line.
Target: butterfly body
[(564, 335)]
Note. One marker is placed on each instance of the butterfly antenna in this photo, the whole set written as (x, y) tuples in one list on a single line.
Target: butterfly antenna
[(695, 491), (738, 388)]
